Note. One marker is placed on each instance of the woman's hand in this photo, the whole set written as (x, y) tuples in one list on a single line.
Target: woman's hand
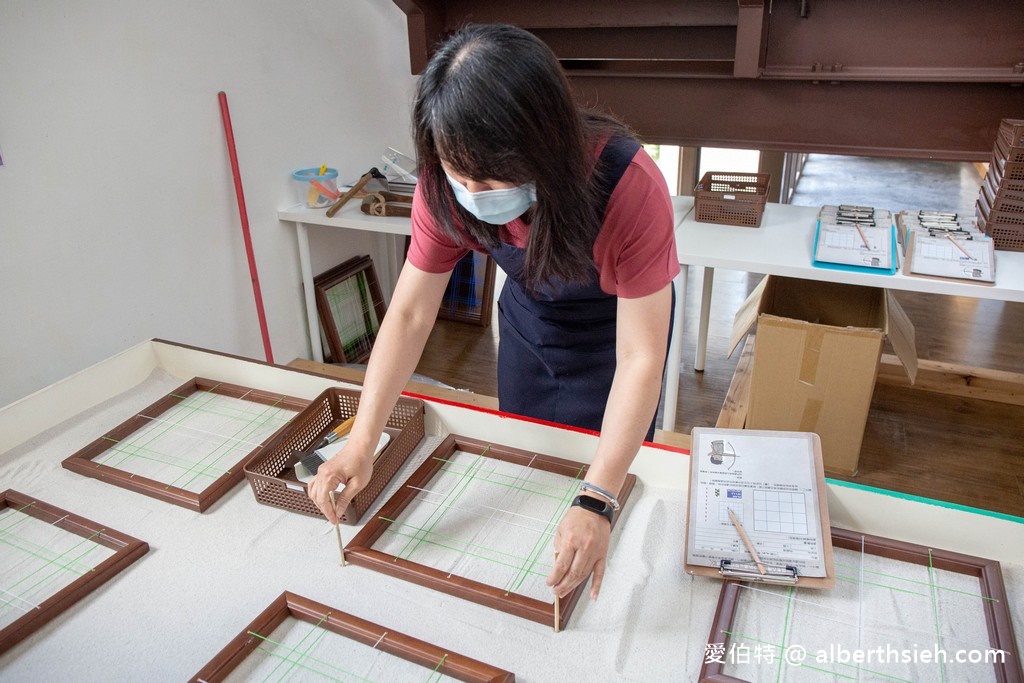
[(581, 547), (352, 467)]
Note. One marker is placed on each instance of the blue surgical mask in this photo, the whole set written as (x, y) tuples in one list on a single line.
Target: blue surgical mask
[(497, 207)]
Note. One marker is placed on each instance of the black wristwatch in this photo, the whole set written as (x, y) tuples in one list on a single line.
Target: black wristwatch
[(595, 505)]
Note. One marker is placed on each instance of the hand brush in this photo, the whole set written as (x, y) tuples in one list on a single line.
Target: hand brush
[(309, 460), (309, 465)]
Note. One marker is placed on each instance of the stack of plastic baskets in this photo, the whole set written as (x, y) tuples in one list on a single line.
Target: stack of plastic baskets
[(1000, 206)]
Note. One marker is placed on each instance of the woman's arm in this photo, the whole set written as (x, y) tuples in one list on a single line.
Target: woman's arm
[(396, 351), (581, 541)]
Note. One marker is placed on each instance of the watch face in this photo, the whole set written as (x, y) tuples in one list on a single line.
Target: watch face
[(595, 505)]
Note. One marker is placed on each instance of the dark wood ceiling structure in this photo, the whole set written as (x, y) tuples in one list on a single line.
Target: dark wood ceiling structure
[(900, 78)]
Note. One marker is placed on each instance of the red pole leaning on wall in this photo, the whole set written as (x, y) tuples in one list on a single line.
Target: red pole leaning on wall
[(253, 273)]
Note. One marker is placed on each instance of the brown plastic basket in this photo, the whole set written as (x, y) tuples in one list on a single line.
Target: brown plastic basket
[(1000, 200), (271, 473), (1006, 152), (995, 185), (731, 198), (1005, 229), (1011, 131)]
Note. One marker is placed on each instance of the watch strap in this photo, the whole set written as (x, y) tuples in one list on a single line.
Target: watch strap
[(595, 505)]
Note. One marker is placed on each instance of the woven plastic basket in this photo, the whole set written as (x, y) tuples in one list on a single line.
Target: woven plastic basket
[(271, 472), (1011, 132), (1005, 228), (731, 198)]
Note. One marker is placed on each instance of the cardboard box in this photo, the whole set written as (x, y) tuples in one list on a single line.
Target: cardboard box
[(816, 357)]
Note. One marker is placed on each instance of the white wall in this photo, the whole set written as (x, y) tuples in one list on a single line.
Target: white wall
[(118, 218)]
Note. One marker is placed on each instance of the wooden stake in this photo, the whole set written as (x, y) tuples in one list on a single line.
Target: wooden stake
[(558, 605), (337, 532)]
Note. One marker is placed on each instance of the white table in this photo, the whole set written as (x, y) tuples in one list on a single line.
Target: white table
[(350, 218), (783, 246)]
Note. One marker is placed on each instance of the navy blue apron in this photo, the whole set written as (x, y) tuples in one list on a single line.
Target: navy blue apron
[(556, 348)]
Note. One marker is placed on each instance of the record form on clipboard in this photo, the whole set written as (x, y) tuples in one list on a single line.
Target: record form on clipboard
[(757, 508)]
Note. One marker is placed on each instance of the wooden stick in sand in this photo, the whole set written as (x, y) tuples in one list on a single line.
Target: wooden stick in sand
[(337, 532)]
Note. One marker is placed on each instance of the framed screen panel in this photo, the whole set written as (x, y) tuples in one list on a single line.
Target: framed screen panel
[(49, 559), (477, 521), (904, 610), (189, 447), (298, 639)]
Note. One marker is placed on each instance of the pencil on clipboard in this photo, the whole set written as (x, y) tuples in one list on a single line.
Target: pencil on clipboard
[(746, 541)]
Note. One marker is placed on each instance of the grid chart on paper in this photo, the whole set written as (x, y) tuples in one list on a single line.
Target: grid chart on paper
[(780, 511)]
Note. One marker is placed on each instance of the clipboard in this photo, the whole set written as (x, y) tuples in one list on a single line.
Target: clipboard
[(891, 249), (744, 473), (940, 258)]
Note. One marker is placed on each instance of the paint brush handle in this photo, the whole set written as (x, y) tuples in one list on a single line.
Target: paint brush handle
[(338, 432)]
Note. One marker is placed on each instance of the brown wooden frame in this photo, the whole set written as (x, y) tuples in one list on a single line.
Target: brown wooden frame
[(127, 550), (360, 549), (362, 631), (990, 579), (82, 460), (373, 299)]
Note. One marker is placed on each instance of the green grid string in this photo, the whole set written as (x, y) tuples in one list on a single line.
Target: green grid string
[(516, 483), (556, 492), (461, 549), (55, 567), (933, 593), (294, 649), (31, 548), (458, 545), (948, 589), (209, 403), (316, 665), (935, 612), (436, 673), (471, 474), (438, 513), (785, 628), (257, 421), (542, 539), (158, 428), (805, 665)]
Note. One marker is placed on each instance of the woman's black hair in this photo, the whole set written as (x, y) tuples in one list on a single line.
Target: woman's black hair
[(494, 104)]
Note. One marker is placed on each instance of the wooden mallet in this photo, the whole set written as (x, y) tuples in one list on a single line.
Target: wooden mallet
[(372, 174)]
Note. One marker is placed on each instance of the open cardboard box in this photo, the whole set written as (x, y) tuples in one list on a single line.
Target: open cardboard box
[(816, 359)]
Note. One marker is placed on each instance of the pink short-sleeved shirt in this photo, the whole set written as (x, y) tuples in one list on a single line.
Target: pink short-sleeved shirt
[(635, 252)]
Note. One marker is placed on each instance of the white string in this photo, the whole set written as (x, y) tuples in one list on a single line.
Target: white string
[(467, 510), (494, 510), (860, 604), (882, 622), (186, 427), (17, 597)]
